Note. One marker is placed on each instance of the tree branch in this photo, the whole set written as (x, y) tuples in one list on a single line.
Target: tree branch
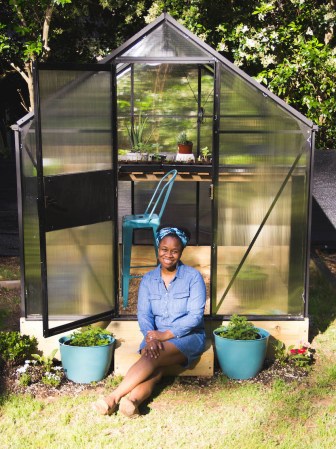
[(46, 26), (22, 73)]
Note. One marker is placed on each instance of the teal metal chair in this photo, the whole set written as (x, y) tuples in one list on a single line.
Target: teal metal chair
[(151, 219)]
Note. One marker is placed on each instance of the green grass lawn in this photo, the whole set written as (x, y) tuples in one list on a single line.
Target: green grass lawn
[(221, 415)]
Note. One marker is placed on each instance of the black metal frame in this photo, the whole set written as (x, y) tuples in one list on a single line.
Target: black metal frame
[(43, 225)]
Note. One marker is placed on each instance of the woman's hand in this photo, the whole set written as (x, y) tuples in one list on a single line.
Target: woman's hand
[(153, 348), (159, 336), (154, 341)]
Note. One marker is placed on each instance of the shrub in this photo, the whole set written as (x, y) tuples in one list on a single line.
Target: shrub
[(16, 348)]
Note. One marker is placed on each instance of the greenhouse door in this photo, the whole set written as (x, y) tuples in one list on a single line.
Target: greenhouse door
[(77, 185)]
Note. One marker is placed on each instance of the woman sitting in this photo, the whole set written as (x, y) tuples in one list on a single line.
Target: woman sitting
[(170, 312)]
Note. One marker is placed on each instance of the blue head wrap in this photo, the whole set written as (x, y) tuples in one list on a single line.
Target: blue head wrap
[(175, 232)]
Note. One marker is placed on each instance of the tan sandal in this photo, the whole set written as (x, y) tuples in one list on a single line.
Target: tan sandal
[(103, 408), (128, 408)]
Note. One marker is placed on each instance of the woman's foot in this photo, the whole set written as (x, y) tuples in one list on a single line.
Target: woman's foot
[(105, 406), (128, 408)]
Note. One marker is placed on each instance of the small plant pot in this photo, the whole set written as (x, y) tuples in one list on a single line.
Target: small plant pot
[(185, 148), (241, 359), (86, 364)]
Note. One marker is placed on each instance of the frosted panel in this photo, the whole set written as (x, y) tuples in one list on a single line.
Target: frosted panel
[(166, 42), (80, 274), (30, 225), (75, 121), (262, 204)]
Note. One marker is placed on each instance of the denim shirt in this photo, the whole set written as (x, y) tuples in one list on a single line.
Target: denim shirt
[(178, 308)]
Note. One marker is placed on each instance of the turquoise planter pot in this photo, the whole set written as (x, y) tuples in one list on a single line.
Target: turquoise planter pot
[(86, 364), (241, 359)]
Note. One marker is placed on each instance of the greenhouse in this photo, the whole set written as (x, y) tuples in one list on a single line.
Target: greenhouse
[(103, 136)]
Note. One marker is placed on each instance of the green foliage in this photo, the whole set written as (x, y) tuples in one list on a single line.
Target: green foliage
[(182, 138), (25, 379), (113, 381), (301, 355), (280, 352), (238, 329), (15, 348), (205, 152), (51, 379), (46, 361), (90, 336), (136, 133)]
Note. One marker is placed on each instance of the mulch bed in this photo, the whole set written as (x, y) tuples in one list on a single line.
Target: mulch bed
[(10, 381)]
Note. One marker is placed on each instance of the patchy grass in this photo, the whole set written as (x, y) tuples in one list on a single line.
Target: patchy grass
[(220, 414), (9, 268), (9, 309)]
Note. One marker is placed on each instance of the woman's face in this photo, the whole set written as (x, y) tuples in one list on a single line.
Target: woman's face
[(170, 252)]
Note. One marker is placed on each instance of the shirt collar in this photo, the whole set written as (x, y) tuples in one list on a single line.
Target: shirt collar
[(179, 272)]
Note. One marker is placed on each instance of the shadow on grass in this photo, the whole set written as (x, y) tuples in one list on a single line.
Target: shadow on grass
[(322, 302)]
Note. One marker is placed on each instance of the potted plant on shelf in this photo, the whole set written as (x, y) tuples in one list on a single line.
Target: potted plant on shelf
[(184, 145), (86, 354), (241, 348), (139, 144), (205, 156)]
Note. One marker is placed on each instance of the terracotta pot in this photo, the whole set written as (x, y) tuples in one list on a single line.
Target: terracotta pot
[(185, 148)]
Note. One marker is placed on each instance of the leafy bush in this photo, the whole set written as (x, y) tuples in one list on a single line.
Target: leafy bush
[(238, 329), (15, 348), (90, 336), (46, 361), (25, 379), (300, 356)]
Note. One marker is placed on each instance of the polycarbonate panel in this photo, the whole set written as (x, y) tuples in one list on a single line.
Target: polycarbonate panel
[(262, 196), (80, 270), (166, 96), (75, 121), (30, 222), (167, 42)]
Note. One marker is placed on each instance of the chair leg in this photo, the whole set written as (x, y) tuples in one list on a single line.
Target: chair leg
[(154, 228), (127, 236)]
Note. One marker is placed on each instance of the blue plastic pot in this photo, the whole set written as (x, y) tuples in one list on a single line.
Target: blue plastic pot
[(86, 364), (241, 359)]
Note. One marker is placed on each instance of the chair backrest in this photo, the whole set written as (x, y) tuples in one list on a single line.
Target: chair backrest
[(161, 194)]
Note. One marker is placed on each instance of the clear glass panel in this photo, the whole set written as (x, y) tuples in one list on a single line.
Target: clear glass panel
[(165, 41), (31, 236), (75, 121), (166, 96), (262, 204), (80, 272)]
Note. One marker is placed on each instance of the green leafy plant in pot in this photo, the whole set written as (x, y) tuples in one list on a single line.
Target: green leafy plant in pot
[(184, 145), (240, 348), (86, 354)]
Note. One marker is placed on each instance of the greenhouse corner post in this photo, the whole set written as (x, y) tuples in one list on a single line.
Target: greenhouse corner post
[(309, 217), (214, 186), (114, 149)]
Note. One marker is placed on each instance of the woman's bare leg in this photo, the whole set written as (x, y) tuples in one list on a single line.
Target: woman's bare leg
[(142, 373), (142, 391), (129, 405)]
